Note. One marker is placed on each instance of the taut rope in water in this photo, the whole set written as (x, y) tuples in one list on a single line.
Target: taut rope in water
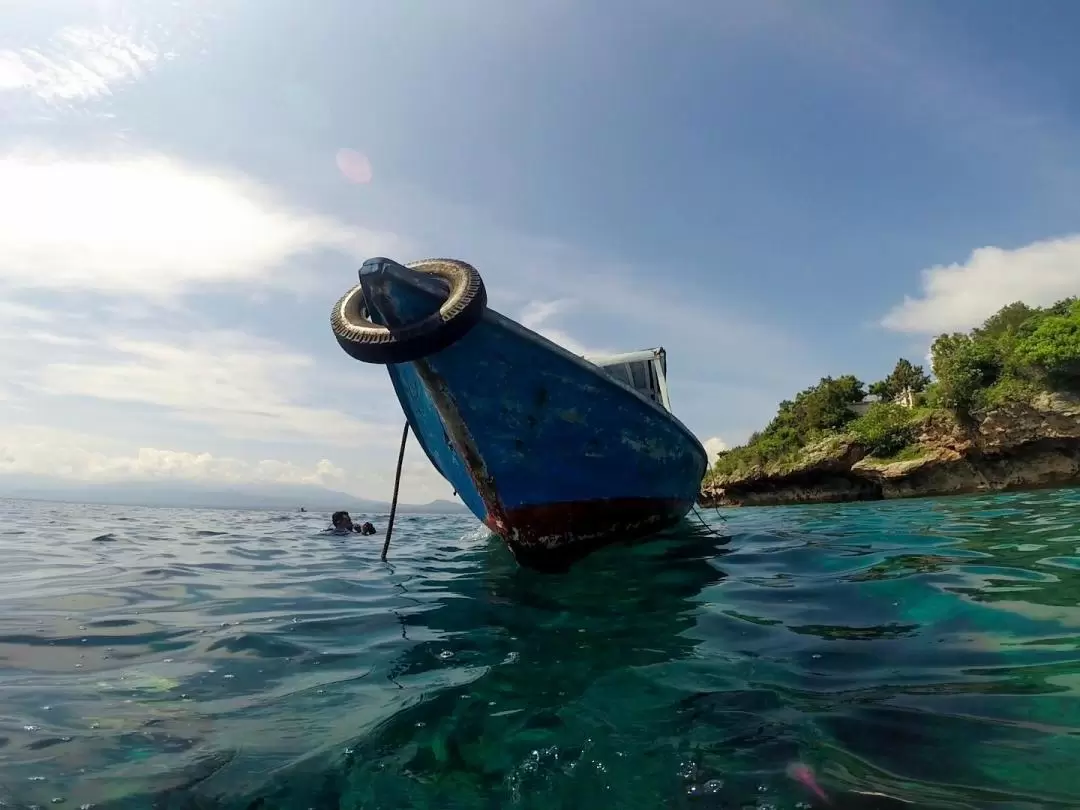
[(397, 483), (708, 528)]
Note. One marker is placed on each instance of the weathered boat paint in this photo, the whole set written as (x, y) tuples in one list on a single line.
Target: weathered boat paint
[(555, 535), (542, 446), (461, 441)]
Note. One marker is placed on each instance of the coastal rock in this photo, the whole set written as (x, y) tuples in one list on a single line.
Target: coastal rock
[(834, 454), (826, 489), (1017, 446), (821, 474), (1050, 416)]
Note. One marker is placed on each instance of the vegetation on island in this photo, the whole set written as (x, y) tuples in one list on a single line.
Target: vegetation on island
[(1018, 353)]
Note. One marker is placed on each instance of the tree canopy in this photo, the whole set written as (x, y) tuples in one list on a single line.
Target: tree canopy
[(814, 413), (904, 377), (1051, 346), (1017, 352)]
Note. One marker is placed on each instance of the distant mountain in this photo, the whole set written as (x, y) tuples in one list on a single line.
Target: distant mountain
[(184, 494)]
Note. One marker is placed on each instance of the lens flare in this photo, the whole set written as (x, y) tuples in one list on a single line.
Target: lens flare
[(354, 165)]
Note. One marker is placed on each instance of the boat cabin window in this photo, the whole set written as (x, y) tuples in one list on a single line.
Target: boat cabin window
[(641, 375)]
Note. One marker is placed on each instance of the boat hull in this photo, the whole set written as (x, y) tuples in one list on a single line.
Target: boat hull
[(545, 448), (553, 536)]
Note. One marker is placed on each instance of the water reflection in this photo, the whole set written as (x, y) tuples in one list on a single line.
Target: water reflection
[(501, 697), (927, 651)]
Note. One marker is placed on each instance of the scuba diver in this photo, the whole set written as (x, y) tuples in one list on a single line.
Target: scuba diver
[(342, 523)]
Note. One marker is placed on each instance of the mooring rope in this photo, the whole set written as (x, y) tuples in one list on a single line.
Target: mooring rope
[(397, 483), (708, 528)]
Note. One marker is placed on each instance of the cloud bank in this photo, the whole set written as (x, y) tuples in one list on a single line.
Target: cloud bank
[(713, 447), (79, 63), (957, 297), (152, 227), (34, 450)]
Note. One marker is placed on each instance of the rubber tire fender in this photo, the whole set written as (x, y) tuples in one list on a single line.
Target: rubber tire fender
[(369, 342)]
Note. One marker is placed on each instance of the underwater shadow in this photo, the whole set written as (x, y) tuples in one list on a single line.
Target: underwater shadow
[(535, 643)]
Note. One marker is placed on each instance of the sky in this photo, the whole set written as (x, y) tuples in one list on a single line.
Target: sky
[(773, 191)]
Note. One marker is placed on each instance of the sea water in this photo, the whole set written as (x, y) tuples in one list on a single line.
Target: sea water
[(925, 649)]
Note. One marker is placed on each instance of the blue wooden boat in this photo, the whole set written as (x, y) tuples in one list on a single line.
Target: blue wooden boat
[(557, 454)]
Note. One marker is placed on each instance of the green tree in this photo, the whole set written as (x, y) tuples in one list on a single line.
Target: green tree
[(819, 408), (1017, 352), (1007, 320), (1062, 307), (964, 367), (904, 376), (813, 413), (885, 429), (1052, 347), (1003, 330)]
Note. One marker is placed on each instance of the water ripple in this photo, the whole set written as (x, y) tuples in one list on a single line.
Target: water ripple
[(928, 650)]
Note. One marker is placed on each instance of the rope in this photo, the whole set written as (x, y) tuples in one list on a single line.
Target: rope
[(397, 483), (708, 528)]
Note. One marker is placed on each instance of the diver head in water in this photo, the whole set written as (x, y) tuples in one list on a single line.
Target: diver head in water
[(342, 522)]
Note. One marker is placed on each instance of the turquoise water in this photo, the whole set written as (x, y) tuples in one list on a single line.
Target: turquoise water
[(924, 649)]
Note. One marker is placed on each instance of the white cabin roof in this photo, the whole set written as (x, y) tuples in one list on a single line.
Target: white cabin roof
[(625, 357), (643, 371)]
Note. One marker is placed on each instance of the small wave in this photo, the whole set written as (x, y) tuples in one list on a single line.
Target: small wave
[(896, 647)]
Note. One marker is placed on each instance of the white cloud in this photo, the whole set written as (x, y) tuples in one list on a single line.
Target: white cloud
[(241, 386), (153, 227), (537, 315), (53, 339), (958, 297), (144, 230), (36, 450), (713, 447), (13, 311), (78, 64)]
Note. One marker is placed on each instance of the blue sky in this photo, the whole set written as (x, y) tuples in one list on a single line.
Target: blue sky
[(773, 191)]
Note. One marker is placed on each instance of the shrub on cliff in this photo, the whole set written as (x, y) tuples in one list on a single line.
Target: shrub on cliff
[(1008, 390), (905, 376), (885, 429), (1006, 326), (964, 367), (1051, 346), (815, 412), (1017, 352), (760, 449), (818, 409)]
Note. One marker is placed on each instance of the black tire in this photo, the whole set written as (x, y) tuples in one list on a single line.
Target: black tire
[(370, 343)]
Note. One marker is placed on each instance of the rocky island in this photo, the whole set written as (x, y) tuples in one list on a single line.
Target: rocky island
[(1003, 412)]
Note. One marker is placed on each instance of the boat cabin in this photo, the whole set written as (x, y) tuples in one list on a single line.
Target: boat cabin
[(644, 371)]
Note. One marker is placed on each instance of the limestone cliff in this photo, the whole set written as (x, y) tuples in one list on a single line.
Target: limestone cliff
[(1021, 445)]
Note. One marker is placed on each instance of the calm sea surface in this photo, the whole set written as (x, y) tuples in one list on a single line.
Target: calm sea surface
[(924, 649)]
